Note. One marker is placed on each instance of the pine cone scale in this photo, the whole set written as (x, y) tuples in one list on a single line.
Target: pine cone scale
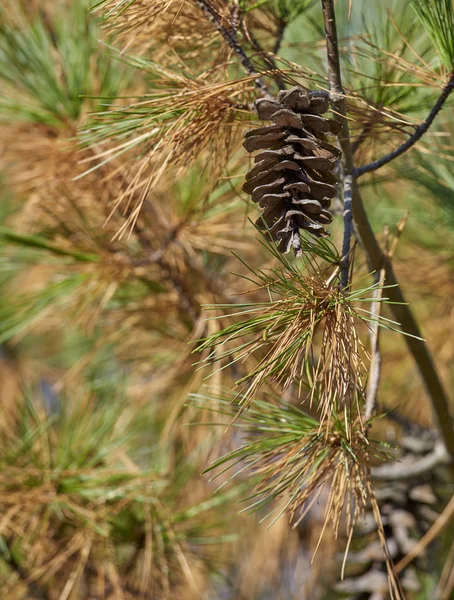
[(293, 178)]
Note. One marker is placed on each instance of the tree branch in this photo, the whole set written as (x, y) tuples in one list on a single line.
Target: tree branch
[(230, 38), (338, 102), (417, 135), (377, 259), (404, 315), (279, 35)]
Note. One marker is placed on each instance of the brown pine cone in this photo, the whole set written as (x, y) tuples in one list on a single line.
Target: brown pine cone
[(293, 179)]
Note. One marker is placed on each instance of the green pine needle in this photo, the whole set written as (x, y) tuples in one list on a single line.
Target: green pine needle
[(281, 334), (49, 68), (9, 236), (437, 16), (25, 309), (290, 458)]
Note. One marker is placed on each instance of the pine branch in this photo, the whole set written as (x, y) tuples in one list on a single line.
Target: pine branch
[(403, 314), (338, 102), (268, 59), (279, 35), (376, 256), (412, 140), (230, 38)]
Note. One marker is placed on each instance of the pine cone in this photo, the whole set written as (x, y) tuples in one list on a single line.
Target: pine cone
[(293, 179)]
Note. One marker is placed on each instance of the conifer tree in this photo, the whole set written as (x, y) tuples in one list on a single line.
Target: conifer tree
[(213, 384)]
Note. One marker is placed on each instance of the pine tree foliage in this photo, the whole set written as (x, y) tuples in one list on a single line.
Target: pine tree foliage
[(187, 349), (282, 444), (438, 19), (83, 515)]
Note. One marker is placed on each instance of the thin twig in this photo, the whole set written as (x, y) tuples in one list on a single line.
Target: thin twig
[(337, 97), (375, 363), (230, 38), (375, 308), (279, 35), (417, 135)]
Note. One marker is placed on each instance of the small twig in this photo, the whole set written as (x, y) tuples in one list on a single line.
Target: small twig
[(230, 38), (266, 57), (375, 308), (375, 363), (409, 467), (279, 35), (338, 102), (417, 135)]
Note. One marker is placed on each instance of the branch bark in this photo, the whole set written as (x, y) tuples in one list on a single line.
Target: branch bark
[(337, 97), (417, 135), (375, 363), (230, 38), (279, 35)]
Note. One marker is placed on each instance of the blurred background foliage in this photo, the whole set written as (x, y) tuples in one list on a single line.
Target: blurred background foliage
[(101, 491)]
